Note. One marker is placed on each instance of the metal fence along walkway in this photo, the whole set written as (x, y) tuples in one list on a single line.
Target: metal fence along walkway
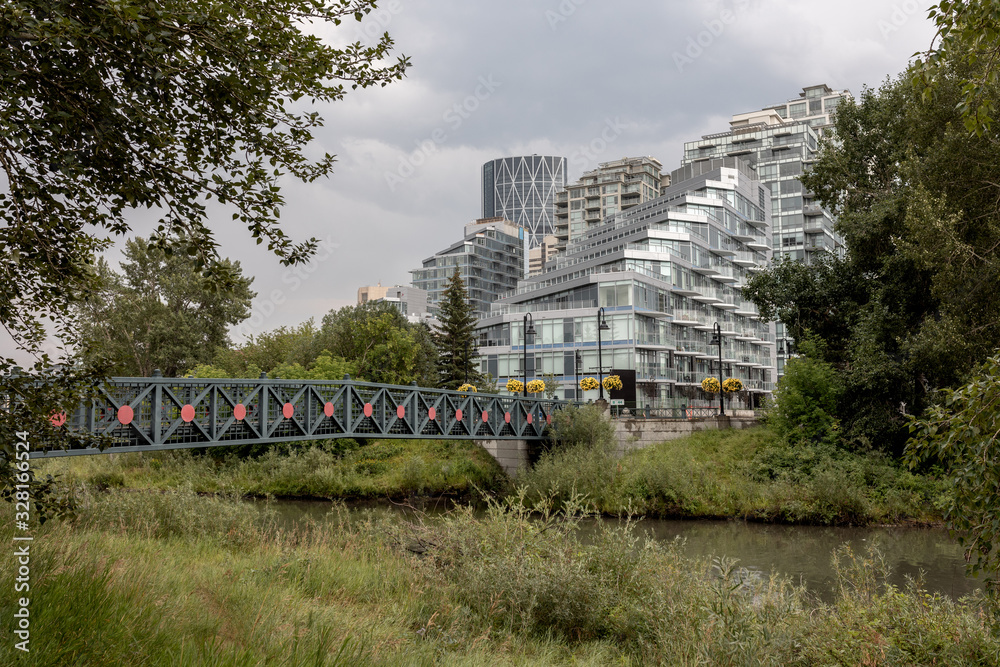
[(149, 414)]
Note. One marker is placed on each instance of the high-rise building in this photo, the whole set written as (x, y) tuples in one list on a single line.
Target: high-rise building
[(781, 142), (663, 273), (523, 190), (612, 187), (539, 258), (490, 259)]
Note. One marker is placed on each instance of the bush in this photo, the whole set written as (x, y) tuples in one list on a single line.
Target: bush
[(585, 425), (805, 400)]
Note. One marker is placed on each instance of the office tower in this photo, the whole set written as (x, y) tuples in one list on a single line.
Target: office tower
[(523, 190)]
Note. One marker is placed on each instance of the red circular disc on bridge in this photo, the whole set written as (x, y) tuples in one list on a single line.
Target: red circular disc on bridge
[(506, 417), (187, 413), (486, 416), (240, 412), (58, 418), (400, 411), (548, 419), (529, 418), (287, 410), (125, 414), (432, 413), (458, 415), (368, 409), (328, 409)]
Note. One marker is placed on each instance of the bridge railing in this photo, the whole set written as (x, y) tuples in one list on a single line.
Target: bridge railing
[(143, 414)]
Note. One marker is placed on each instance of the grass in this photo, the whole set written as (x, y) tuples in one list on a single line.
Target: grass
[(146, 578), (749, 474), (334, 469)]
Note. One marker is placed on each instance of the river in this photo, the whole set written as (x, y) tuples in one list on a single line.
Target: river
[(801, 552)]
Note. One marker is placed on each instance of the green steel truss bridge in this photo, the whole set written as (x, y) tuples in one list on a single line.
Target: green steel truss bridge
[(157, 413)]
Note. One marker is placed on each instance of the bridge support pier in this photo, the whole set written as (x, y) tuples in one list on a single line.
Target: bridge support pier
[(510, 454)]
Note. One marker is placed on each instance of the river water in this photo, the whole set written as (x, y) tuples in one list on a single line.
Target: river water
[(801, 552)]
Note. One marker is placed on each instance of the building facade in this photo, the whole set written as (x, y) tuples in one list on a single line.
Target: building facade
[(523, 190), (542, 256), (664, 272), (490, 258), (612, 187), (410, 301), (781, 142)]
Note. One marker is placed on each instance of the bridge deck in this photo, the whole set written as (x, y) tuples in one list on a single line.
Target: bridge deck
[(150, 414)]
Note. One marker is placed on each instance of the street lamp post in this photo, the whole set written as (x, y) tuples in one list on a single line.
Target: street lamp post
[(467, 343), (602, 325), (717, 340), (577, 362), (529, 330)]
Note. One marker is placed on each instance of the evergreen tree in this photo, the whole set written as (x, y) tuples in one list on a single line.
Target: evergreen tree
[(456, 338)]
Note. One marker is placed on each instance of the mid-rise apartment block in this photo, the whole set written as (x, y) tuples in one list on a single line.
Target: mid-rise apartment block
[(612, 187), (490, 258), (659, 276), (410, 301)]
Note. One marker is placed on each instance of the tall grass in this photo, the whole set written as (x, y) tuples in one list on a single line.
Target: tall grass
[(750, 474)]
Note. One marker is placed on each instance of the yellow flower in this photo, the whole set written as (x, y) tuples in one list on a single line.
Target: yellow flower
[(612, 383), (587, 384), (536, 387), (711, 385), (514, 386), (467, 387), (732, 384)]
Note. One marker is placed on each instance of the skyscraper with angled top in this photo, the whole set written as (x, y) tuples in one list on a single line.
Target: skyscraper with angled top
[(523, 190)]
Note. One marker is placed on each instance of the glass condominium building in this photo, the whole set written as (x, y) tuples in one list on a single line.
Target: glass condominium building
[(781, 142), (664, 271), (523, 190), (490, 259)]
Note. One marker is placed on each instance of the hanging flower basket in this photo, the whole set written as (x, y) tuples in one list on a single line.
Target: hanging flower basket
[(731, 385), (612, 383), (587, 384), (711, 385), (515, 386), (536, 387), (467, 387)]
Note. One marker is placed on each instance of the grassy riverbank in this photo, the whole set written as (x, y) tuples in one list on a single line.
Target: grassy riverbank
[(747, 474), (177, 578), (342, 469)]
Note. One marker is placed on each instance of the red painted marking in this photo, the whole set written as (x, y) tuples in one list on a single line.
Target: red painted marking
[(187, 413), (506, 417), (548, 419), (328, 409), (400, 411), (368, 409), (486, 416), (287, 410), (458, 415), (529, 419), (432, 413), (58, 418), (125, 414), (240, 412)]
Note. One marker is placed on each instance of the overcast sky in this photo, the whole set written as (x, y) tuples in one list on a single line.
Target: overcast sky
[(493, 79)]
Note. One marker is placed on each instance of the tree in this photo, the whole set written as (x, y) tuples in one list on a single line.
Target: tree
[(962, 433), (111, 106), (378, 340), (161, 312), (263, 352), (456, 337)]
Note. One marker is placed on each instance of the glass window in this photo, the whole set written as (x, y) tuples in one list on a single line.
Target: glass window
[(797, 110)]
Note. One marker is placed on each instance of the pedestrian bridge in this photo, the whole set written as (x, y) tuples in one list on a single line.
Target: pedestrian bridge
[(158, 413)]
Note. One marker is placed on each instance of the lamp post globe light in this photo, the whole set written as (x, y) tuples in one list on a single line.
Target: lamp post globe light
[(529, 330), (717, 340), (602, 325)]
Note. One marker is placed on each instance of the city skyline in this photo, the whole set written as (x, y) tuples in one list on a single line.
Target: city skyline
[(583, 80)]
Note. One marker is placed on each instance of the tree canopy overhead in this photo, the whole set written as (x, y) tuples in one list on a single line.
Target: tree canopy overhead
[(112, 105)]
